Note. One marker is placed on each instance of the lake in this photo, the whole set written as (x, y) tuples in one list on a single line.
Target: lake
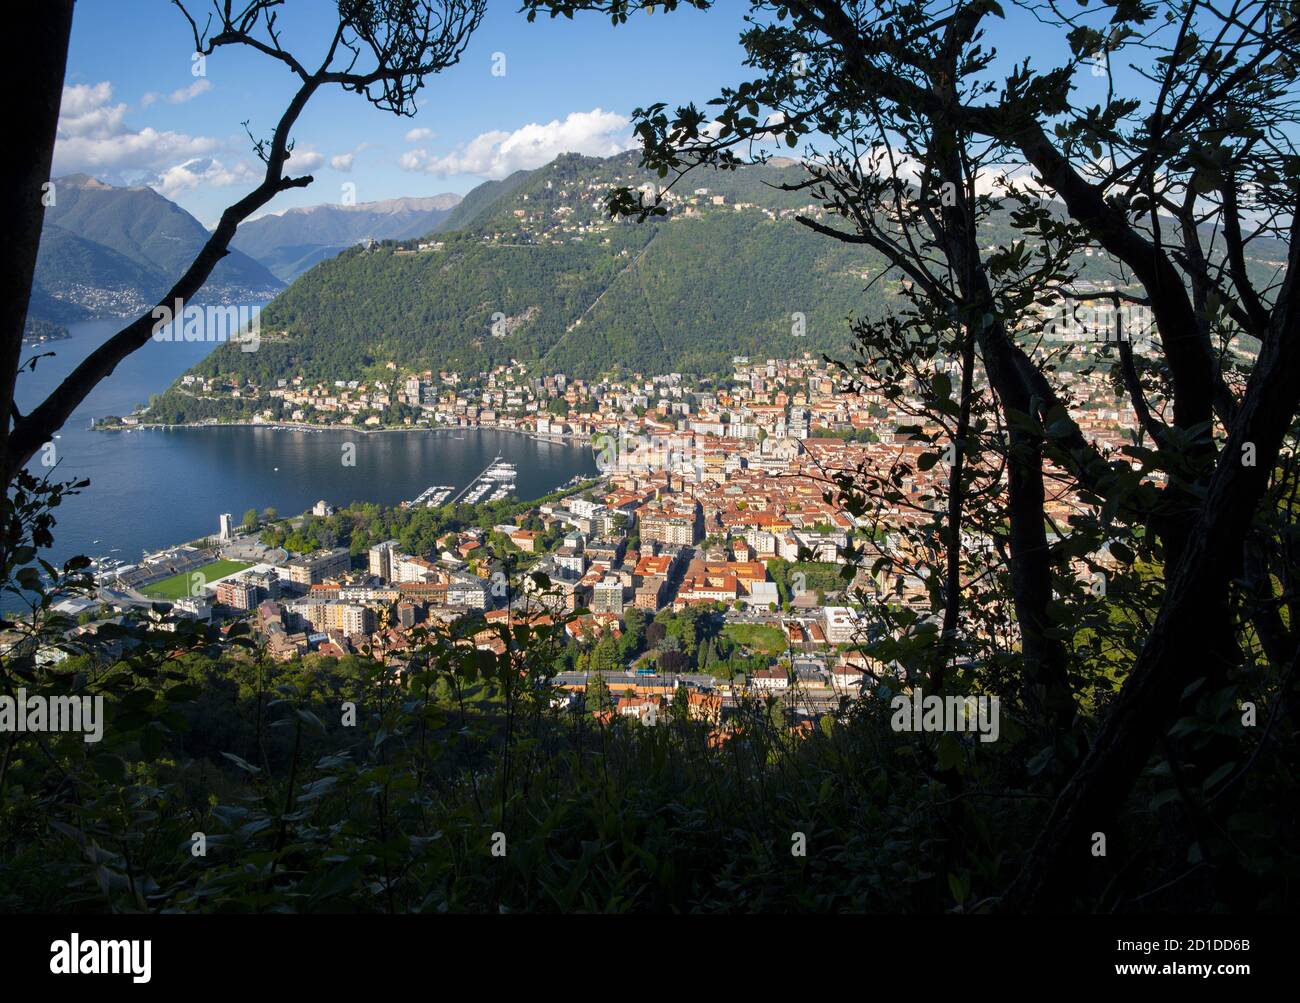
[(150, 488)]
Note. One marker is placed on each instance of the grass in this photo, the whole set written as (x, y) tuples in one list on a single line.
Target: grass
[(757, 637), (179, 585)]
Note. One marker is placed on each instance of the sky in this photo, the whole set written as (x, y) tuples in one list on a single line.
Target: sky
[(137, 109), (135, 112)]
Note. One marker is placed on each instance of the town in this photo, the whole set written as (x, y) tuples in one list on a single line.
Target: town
[(710, 557)]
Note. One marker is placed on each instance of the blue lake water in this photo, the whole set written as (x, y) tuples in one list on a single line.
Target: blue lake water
[(153, 487)]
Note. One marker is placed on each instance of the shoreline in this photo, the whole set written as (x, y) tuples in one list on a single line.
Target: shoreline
[(283, 426)]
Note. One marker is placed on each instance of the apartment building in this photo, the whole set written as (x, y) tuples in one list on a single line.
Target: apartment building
[(842, 625), (607, 595), (680, 528), (315, 568), (381, 559)]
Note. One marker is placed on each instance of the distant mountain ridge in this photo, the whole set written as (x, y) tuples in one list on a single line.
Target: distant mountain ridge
[(109, 251), (531, 268), (294, 241), (481, 199)]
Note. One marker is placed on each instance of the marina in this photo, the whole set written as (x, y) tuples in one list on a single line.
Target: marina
[(432, 497), (496, 481)]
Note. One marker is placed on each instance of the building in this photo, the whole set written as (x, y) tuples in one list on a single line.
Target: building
[(238, 593), (843, 625), (352, 619), (847, 676), (525, 540), (267, 583), (381, 559), (645, 709), (193, 607), (468, 591), (609, 552), (607, 595), (679, 528), (406, 569), (571, 560), (227, 523), (315, 568), (770, 680), (652, 594), (346, 618), (704, 706)]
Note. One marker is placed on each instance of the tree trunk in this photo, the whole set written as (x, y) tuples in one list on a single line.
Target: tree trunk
[(1173, 653), (33, 65)]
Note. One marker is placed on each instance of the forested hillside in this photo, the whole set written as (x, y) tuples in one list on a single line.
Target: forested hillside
[(570, 290), (533, 269)]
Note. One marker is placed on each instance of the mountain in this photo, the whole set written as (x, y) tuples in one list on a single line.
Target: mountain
[(482, 199), (535, 270), (291, 242), (110, 251)]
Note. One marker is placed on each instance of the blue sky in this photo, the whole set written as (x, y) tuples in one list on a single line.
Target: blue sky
[(134, 112)]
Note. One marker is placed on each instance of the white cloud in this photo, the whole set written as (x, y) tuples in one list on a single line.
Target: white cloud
[(991, 179), (80, 99), (148, 98), (414, 160), (415, 135), (86, 111), (305, 160), (201, 86), (203, 171), (93, 136), (344, 161), (496, 154)]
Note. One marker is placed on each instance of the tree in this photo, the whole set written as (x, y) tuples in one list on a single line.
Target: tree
[(605, 655), (35, 61), (380, 49), (680, 709), (250, 520), (671, 661), (914, 147), (598, 696)]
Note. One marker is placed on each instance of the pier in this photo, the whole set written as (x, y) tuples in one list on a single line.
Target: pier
[(434, 496), (496, 481)]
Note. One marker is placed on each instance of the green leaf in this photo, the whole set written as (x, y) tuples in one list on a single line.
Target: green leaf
[(1220, 774), (950, 756), (242, 763), (941, 384), (311, 719), (1041, 761), (338, 881), (1121, 553), (109, 767)]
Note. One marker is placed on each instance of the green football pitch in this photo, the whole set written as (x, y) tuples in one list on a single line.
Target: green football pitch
[(179, 585)]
